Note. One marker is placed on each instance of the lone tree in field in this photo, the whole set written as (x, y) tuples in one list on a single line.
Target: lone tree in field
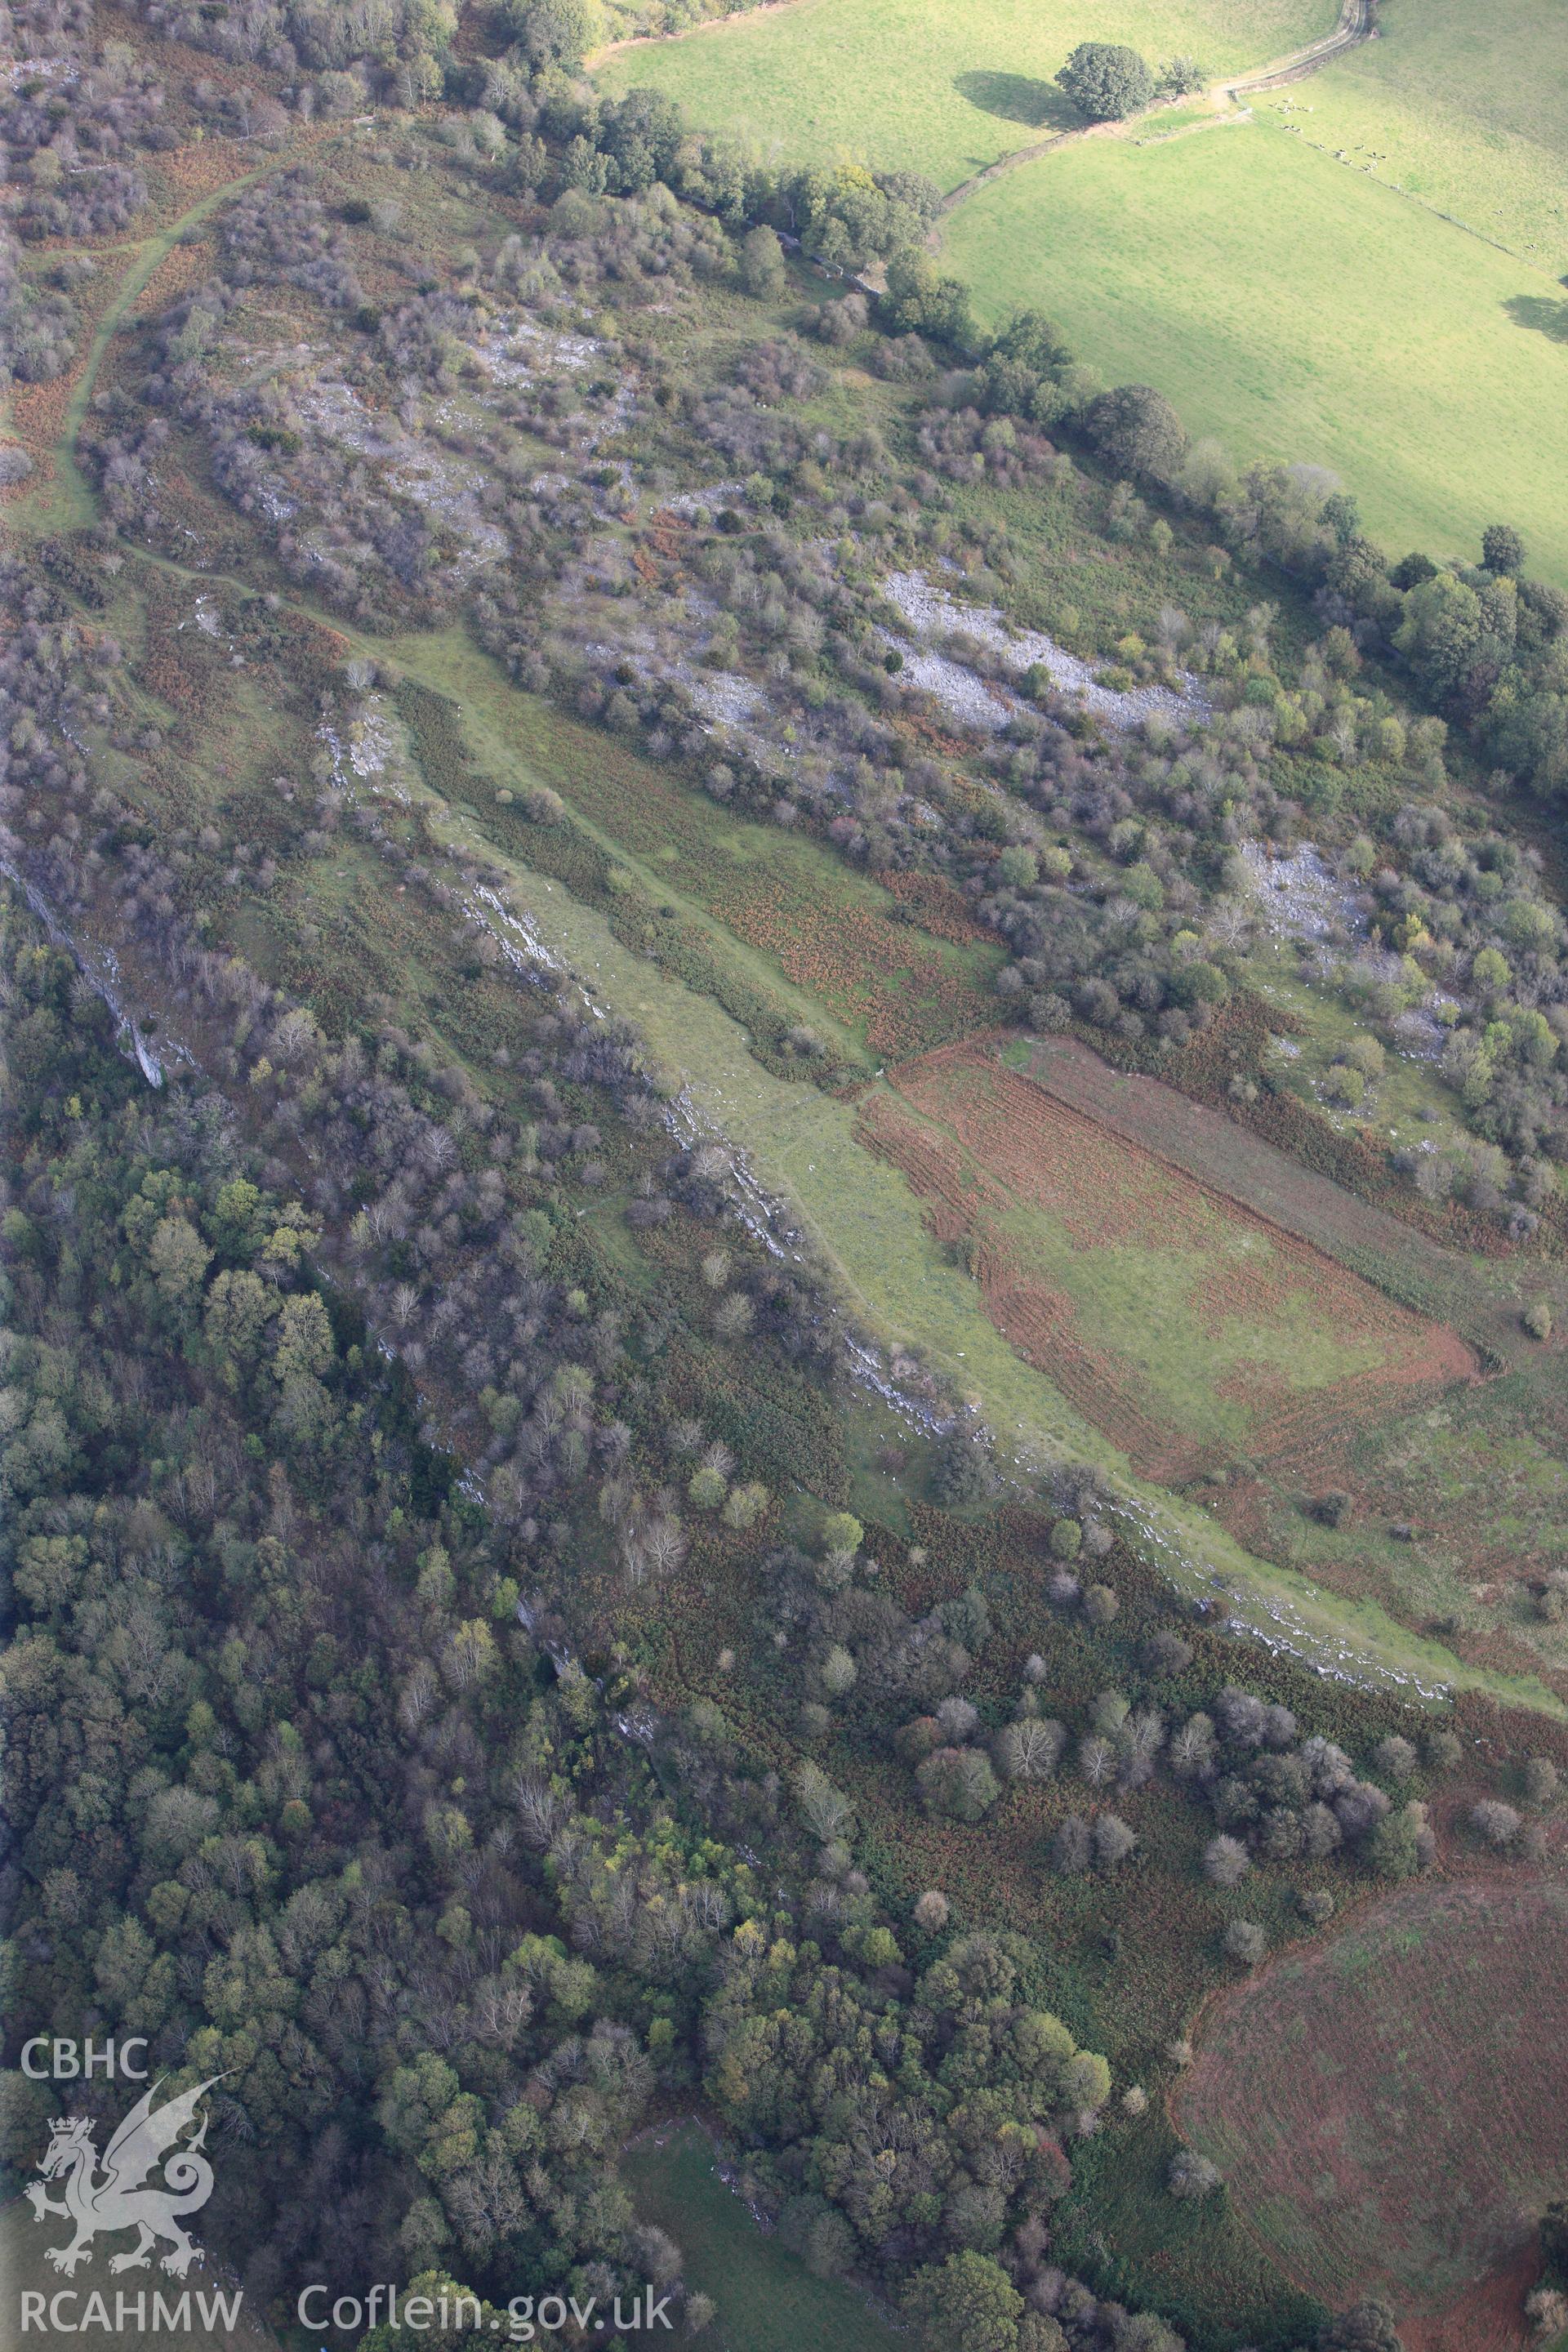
[(1502, 550), (1106, 81), (1246, 1941), (762, 271)]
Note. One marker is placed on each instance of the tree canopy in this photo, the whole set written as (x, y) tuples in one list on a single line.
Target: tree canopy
[(1107, 80)]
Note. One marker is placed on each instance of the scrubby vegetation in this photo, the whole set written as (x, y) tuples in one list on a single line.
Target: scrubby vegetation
[(1107, 866)]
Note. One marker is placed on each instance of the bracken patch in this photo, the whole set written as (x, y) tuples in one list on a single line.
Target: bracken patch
[(1033, 1189), (1387, 2107)]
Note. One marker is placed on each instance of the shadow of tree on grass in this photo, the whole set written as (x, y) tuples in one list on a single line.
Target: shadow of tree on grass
[(1016, 98), (1539, 312)]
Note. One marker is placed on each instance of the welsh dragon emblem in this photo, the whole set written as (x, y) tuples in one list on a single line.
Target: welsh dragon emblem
[(122, 2194)]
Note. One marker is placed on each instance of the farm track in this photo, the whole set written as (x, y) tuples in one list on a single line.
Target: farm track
[(1356, 25)]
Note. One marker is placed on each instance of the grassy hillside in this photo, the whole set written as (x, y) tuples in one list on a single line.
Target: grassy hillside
[(1464, 110), (865, 1220), (942, 90), (658, 901), (1299, 312), (768, 2301), (456, 1708)]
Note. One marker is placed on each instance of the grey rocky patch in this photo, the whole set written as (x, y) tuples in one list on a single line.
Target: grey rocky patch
[(935, 615)]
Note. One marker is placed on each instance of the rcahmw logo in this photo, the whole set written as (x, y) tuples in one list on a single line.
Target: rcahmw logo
[(147, 2181)]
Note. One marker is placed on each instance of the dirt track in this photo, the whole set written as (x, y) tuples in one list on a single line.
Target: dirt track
[(1357, 24)]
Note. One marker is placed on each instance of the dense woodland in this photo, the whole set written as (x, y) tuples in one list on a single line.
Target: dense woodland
[(300, 1798)]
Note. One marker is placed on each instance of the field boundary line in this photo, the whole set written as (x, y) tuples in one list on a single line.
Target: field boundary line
[(724, 24), (1167, 1154), (1411, 196), (1357, 24)]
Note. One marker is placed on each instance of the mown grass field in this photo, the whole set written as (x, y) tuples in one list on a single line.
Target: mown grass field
[(768, 2301), (1386, 2107), (1298, 311), (1463, 108), (929, 85)]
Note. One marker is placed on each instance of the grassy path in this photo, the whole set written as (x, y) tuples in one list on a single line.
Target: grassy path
[(448, 662), (66, 502)]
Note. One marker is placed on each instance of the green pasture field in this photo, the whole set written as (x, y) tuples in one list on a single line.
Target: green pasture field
[(768, 2301), (927, 85), (1298, 311), (1464, 109)]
